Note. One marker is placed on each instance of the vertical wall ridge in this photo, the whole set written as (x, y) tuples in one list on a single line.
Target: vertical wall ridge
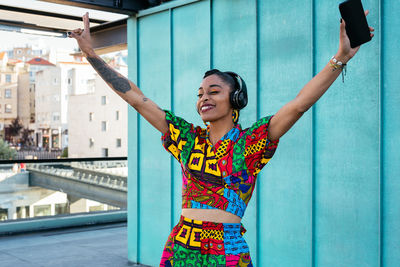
[(211, 36), (138, 140), (381, 140), (171, 40), (258, 116), (313, 130), (132, 145)]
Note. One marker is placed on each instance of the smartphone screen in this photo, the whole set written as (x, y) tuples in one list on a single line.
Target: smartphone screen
[(357, 28)]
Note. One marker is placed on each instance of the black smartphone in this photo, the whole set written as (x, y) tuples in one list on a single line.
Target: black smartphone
[(357, 28)]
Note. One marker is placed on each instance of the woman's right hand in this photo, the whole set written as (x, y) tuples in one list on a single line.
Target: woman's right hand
[(83, 36)]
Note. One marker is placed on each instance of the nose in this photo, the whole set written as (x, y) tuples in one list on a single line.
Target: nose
[(204, 97)]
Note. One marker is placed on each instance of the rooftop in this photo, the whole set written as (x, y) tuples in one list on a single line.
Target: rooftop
[(99, 245), (39, 61)]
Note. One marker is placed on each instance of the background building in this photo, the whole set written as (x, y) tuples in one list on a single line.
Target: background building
[(97, 122), (48, 108), (14, 94), (53, 86), (27, 53), (36, 64)]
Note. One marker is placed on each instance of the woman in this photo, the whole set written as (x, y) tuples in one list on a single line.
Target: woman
[(219, 163)]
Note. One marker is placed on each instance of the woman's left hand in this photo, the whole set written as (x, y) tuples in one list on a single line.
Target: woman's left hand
[(345, 52)]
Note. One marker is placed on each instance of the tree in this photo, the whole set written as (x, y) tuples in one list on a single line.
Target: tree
[(6, 152), (25, 137), (15, 127), (65, 153)]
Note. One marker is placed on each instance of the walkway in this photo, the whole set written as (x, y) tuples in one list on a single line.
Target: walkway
[(101, 245)]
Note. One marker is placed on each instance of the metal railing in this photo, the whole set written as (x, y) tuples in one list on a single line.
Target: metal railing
[(99, 180)]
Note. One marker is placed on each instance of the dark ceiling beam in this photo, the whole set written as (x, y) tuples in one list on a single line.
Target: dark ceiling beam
[(109, 37), (128, 7)]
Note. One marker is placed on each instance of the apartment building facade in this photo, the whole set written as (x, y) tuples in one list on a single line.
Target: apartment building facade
[(14, 88), (97, 122)]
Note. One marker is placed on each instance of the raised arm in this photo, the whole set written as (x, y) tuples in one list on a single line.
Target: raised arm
[(287, 116), (122, 86)]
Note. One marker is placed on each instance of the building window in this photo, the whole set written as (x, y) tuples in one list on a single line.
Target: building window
[(56, 116), (104, 152), (7, 108), (7, 93), (118, 142), (23, 212), (90, 116), (42, 210), (117, 115), (8, 78), (104, 100), (3, 214), (69, 81), (61, 208), (104, 126), (91, 142), (96, 208)]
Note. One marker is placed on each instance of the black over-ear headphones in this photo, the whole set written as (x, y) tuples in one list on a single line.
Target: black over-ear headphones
[(238, 96)]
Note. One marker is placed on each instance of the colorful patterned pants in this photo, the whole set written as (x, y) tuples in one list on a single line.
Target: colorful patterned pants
[(201, 243)]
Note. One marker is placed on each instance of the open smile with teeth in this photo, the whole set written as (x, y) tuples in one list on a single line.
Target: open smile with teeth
[(206, 108)]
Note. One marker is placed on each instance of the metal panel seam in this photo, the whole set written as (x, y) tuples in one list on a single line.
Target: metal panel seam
[(171, 39), (211, 35), (138, 140), (381, 125), (258, 116), (313, 129)]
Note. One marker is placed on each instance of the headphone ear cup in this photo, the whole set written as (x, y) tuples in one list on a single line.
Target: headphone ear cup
[(234, 99), (242, 99), (238, 97)]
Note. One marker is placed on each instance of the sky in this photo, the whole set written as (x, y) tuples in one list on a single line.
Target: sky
[(13, 39)]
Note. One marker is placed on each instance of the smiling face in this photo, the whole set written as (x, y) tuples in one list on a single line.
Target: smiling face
[(213, 102)]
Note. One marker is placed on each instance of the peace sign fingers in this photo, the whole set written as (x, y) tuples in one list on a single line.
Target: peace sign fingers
[(86, 23), (83, 36)]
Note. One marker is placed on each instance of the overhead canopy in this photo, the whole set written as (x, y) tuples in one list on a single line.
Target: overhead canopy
[(57, 17), (19, 19), (118, 6)]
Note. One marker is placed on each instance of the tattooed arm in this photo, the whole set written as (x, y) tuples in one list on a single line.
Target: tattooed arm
[(121, 85)]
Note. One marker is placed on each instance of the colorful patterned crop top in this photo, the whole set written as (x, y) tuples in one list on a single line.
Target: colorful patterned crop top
[(222, 176)]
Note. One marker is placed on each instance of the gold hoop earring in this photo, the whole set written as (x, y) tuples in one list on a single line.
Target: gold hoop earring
[(235, 116)]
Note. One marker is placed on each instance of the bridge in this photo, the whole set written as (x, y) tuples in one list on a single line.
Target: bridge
[(101, 182)]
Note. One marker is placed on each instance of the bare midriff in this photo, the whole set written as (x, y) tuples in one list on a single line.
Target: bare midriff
[(211, 215)]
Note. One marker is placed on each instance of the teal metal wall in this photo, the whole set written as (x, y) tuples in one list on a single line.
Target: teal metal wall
[(329, 197)]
